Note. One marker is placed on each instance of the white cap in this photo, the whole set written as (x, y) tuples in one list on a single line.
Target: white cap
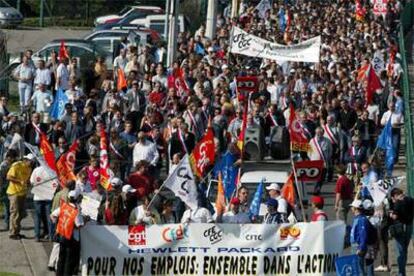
[(116, 182), (74, 194), (29, 156), (128, 189), (356, 203), (367, 204), (273, 186), (210, 49), (224, 66)]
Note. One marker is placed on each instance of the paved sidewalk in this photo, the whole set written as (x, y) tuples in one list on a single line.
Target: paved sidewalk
[(25, 257)]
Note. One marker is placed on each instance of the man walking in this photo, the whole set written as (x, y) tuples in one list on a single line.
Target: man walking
[(18, 177), (402, 214)]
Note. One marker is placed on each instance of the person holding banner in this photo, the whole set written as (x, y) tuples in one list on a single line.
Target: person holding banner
[(69, 220), (144, 214)]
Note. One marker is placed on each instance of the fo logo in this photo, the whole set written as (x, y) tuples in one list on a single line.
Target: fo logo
[(137, 235), (290, 231), (171, 234)]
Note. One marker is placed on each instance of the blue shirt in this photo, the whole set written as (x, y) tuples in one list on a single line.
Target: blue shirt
[(359, 232)]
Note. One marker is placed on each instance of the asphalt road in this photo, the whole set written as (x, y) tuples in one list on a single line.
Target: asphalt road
[(23, 38)]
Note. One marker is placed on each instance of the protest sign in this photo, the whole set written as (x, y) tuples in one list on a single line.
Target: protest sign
[(381, 188), (212, 249), (253, 46), (44, 182), (309, 170), (89, 205)]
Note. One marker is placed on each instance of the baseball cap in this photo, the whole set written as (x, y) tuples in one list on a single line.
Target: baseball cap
[(224, 66), (272, 202), (273, 186), (356, 203), (318, 200), (29, 156), (367, 204), (128, 189), (116, 182), (235, 201)]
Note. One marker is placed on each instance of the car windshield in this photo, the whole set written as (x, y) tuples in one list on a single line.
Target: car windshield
[(124, 10), (4, 4)]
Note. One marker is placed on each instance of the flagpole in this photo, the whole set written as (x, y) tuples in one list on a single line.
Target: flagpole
[(296, 181)]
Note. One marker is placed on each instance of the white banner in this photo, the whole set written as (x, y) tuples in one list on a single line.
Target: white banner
[(381, 188), (181, 183), (378, 62), (212, 249), (43, 183), (90, 205), (253, 46)]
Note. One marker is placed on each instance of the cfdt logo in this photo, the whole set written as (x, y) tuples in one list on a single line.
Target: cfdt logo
[(171, 234), (213, 235), (137, 235), (289, 231)]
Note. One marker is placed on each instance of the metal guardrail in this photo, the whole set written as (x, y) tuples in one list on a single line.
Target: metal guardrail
[(406, 24)]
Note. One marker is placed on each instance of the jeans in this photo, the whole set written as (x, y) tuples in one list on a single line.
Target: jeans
[(401, 246), (361, 261), (42, 216), (396, 141), (25, 91)]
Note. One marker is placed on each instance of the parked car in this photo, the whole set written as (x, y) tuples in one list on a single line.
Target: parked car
[(110, 40), (151, 35), (128, 11), (85, 51), (9, 16), (153, 22)]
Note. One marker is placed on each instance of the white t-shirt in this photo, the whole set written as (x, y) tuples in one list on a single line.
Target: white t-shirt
[(44, 184), (62, 73), (199, 215), (396, 118), (373, 111), (282, 205)]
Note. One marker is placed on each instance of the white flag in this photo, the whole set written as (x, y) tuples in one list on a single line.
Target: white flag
[(263, 7), (181, 182), (378, 62), (381, 188)]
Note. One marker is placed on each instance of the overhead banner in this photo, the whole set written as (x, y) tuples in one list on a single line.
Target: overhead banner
[(212, 249), (250, 45)]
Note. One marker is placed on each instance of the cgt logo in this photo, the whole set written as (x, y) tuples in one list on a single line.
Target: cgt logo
[(292, 231), (137, 235), (171, 234)]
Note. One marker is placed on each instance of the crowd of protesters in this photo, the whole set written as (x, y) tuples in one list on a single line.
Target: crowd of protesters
[(151, 124)]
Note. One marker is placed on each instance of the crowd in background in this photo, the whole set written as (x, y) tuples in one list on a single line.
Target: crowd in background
[(150, 124)]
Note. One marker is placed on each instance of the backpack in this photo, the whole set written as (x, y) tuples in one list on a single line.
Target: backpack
[(372, 235)]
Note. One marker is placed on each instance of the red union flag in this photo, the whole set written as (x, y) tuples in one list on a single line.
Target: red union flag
[(66, 164), (203, 154), (104, 164), (176, 80), (309, 170), (298, 140), (246, 85), (46, 149)]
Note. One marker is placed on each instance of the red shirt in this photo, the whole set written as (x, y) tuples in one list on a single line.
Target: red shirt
[(344, 187), (144, 184)]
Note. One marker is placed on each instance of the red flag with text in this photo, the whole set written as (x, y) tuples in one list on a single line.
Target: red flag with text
[(104, 164), (203, 154), (298, 140), (66, 164), (46, 149), (245, 86), (309, 170), (176, 80)]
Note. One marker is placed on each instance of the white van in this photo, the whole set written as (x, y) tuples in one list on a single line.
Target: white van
[(157, 23)]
